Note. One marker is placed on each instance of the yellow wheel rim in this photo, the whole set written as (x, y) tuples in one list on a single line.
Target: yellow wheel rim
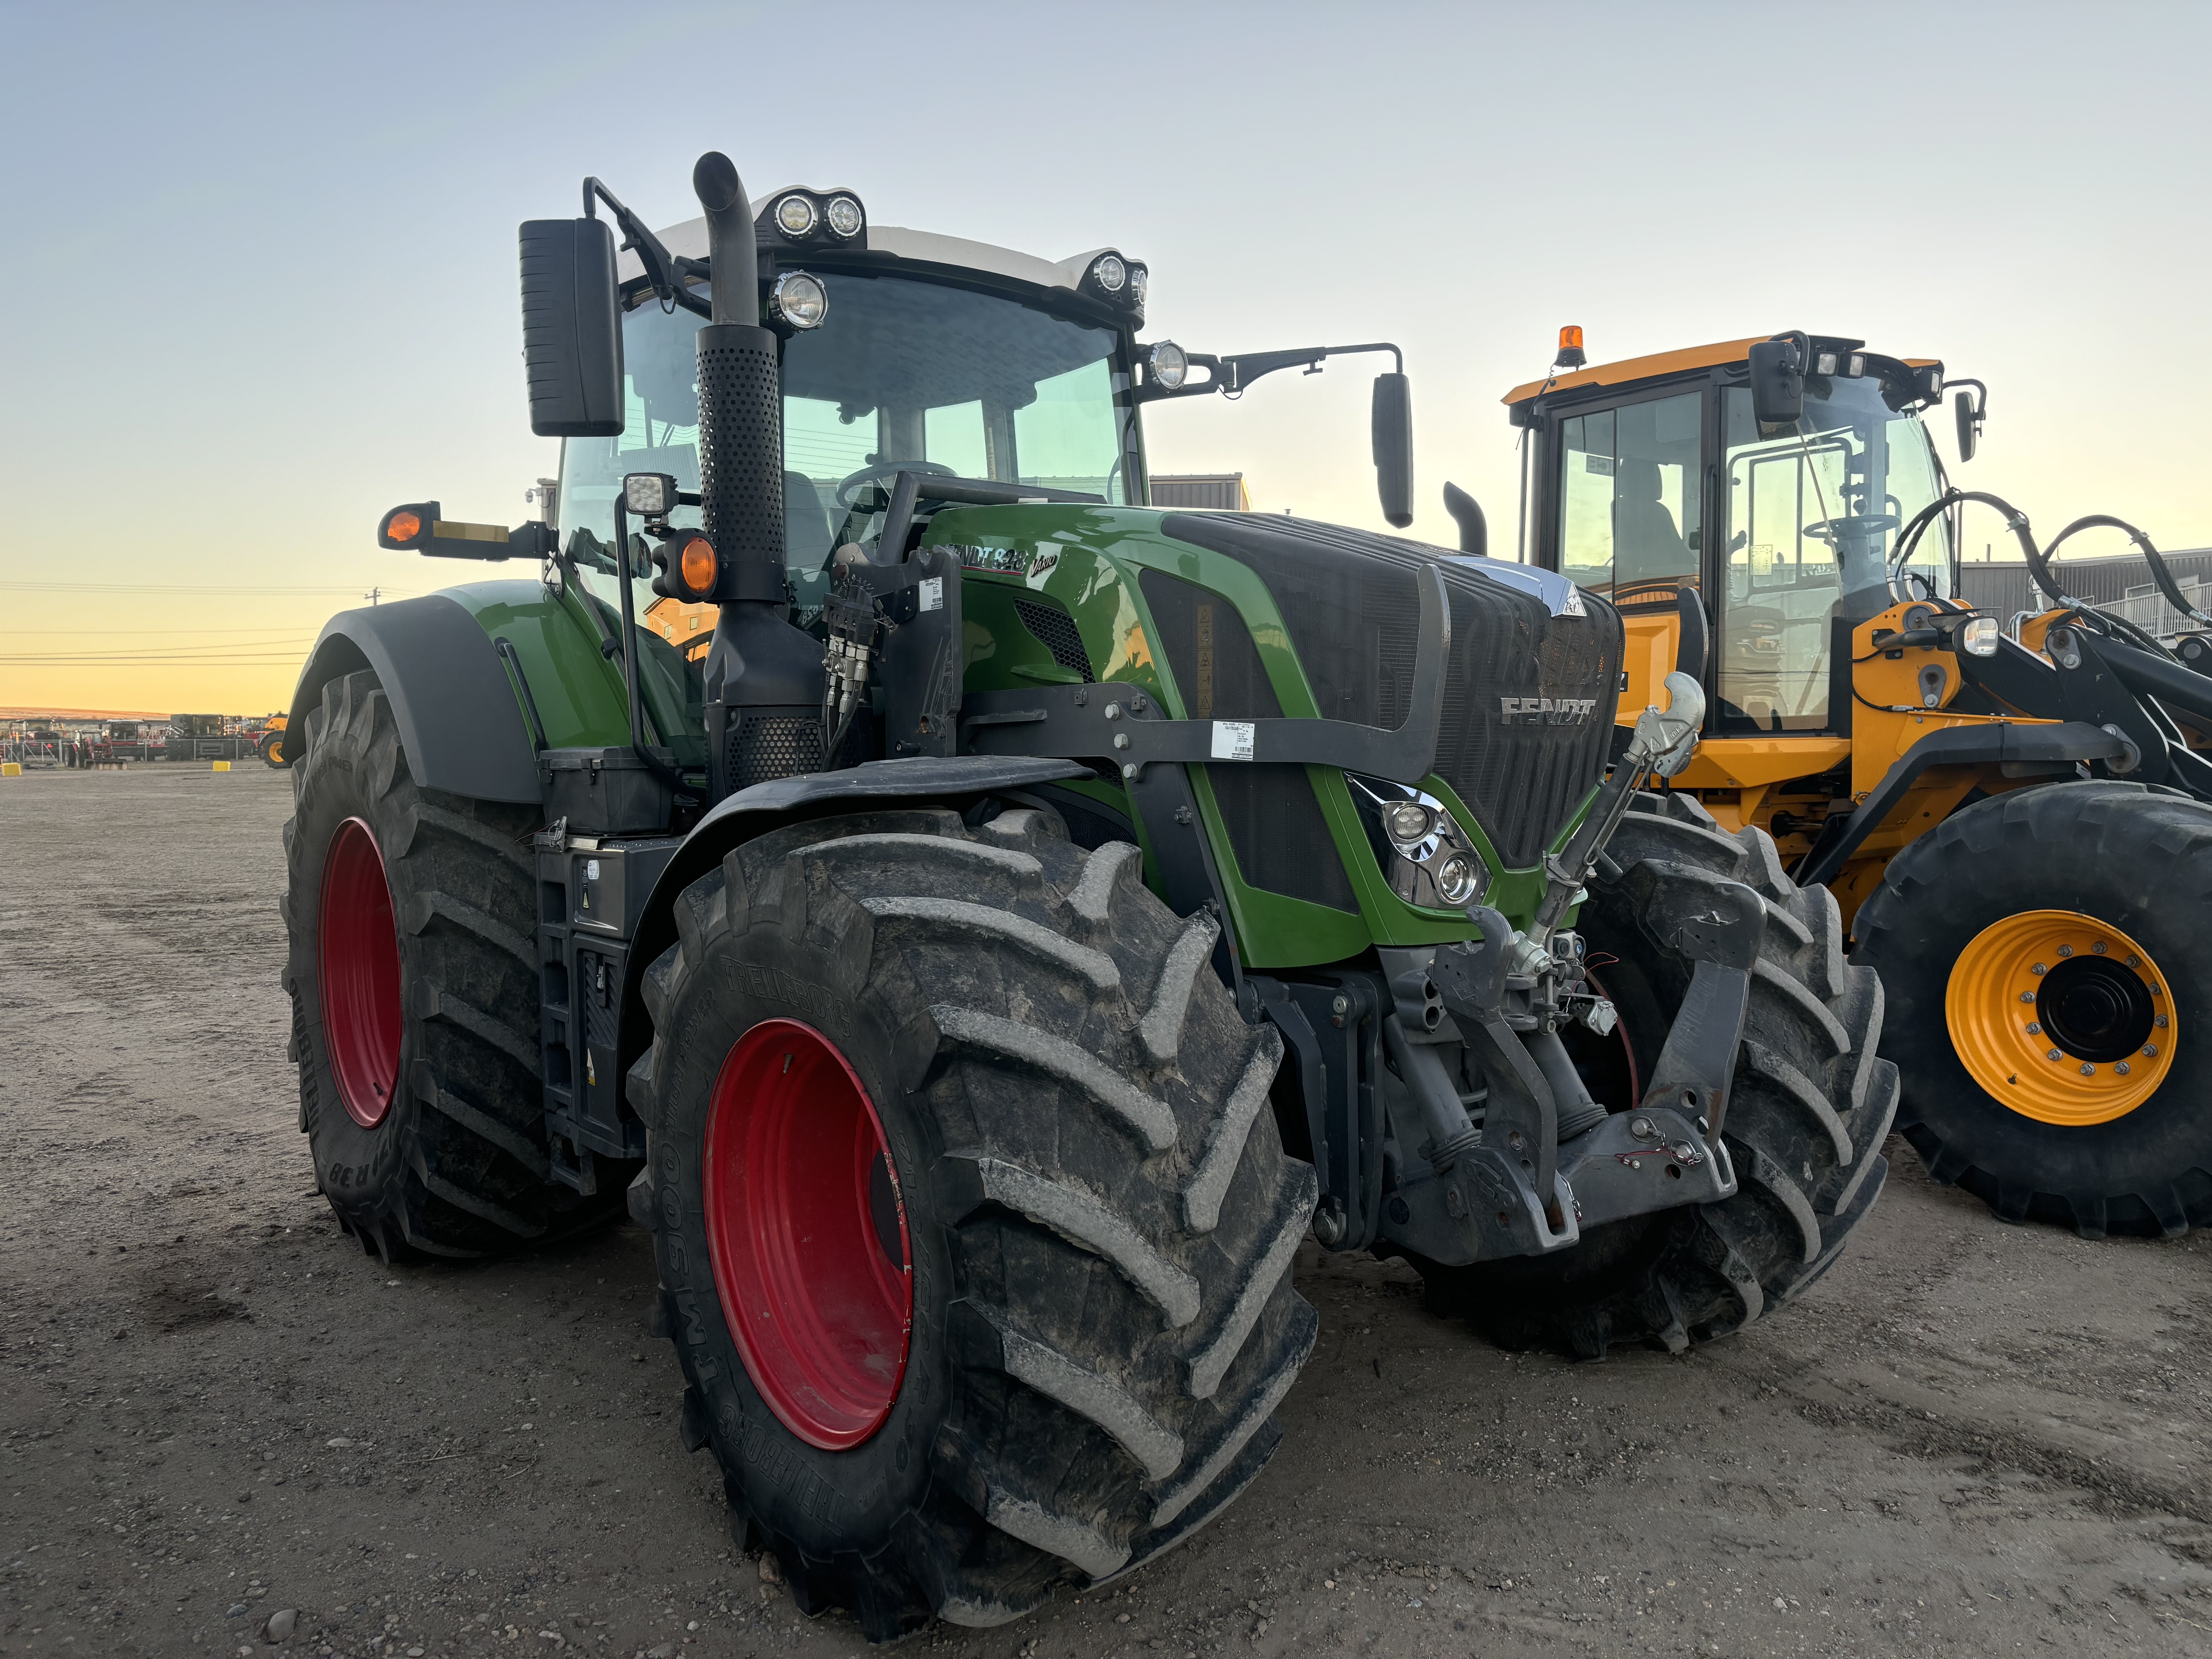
[(2061, 1018)]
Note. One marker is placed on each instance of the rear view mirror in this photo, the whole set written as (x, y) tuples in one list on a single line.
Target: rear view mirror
[(572, 328), (1474, 532), (1778, 380), (1970, 425), (1393, 447)]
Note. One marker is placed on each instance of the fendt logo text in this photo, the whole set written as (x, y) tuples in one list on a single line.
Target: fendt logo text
[(1546, 711)]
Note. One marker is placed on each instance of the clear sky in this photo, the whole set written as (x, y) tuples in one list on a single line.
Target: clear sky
[(258, 281)]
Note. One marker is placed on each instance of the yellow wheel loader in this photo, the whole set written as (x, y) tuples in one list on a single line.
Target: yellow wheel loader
[(2012, 813)]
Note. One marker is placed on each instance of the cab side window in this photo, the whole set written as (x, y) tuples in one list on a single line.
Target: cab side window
[(1783, 580), (1630, 493)]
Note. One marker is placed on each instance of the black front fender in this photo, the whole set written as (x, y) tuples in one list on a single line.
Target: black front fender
[(459, 722), (954, 781)]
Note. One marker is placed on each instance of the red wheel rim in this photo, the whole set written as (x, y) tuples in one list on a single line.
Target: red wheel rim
[(360, 973), (808, 1234)]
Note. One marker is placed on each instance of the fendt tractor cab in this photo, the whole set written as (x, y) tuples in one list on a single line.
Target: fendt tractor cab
[(1032, 914), (2011, 810)]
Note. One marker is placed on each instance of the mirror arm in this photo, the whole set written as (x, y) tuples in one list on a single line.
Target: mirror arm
[(663, 270), (1231, 375)]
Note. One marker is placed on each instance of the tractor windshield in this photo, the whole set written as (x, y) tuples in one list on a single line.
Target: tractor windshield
[(901, 374), (1812, 519)]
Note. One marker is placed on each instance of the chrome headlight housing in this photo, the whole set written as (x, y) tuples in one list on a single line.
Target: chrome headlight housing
[(797, 300), (1426, 857)]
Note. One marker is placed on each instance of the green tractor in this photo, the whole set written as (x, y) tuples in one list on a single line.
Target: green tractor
[(1023, 915)]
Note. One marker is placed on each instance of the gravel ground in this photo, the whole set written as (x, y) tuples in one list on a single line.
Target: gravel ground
[(214, 1409)]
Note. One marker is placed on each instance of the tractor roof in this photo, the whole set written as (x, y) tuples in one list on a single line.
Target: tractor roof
[(925, 248), (1651, 368)]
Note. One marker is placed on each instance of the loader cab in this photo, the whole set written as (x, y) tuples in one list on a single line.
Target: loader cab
[(1742, 552)]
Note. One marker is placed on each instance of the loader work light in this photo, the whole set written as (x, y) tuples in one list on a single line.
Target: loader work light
[(845, 216), (1978, 637), (1110, 273)]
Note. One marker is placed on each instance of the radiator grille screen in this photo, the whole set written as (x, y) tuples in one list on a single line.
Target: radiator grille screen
[(1349, 600), (1275, 825)]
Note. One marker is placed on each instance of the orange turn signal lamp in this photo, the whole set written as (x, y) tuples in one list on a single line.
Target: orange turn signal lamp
[(689, 568), (423, 527)]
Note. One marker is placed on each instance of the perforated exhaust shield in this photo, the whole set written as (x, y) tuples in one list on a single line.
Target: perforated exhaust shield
[(741, 457)]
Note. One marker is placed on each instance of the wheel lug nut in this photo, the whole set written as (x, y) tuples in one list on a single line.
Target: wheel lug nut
[(2122, 1068), (2038, 968), (2098, 949), (2088, 1071), (2150, 1051), (2028, 996), (2160, 1022), (2054, 1054), (2035, 1027), (2065, 950)]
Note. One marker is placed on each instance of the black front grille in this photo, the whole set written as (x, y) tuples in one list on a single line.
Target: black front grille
[(1275, 825), (1349, 600), (1056, 631)]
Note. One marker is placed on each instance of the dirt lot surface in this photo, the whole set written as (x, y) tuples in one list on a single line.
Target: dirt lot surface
[(214, 1407)]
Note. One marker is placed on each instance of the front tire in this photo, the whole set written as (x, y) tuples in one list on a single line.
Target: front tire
[(2106, 1138), (412, 971), (1043, 1338), (1809, 1110)]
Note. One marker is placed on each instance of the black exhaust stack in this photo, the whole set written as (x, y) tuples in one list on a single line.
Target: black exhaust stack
[(763, 680)]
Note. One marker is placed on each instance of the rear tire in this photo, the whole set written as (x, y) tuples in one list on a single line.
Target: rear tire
[(1098, 1217), (1809, 1113), (426, 988), (2116, 853)]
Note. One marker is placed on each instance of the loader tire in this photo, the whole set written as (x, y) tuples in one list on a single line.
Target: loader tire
[(412, 970), (974, 1229), (2083, 1105), (1809, 1112)]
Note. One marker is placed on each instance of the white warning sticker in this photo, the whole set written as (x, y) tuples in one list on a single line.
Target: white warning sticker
[(1232, 740), (933, 593)]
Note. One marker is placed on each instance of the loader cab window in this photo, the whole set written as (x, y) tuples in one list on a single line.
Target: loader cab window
[(1630, 488), (1810, 524)]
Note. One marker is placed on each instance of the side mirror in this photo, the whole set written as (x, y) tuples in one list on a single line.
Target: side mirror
[(1393, 447), (572, 328), (1778, 380), (1970, 424), (1474, 532)]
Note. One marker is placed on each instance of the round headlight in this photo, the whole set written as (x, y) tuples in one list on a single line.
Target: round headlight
[(1140, 281), (1169, 363), (798, 300), (1111, 274), (844, 215), (794, 216), (1408, 821), (1456, 879), (1979, 638)]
